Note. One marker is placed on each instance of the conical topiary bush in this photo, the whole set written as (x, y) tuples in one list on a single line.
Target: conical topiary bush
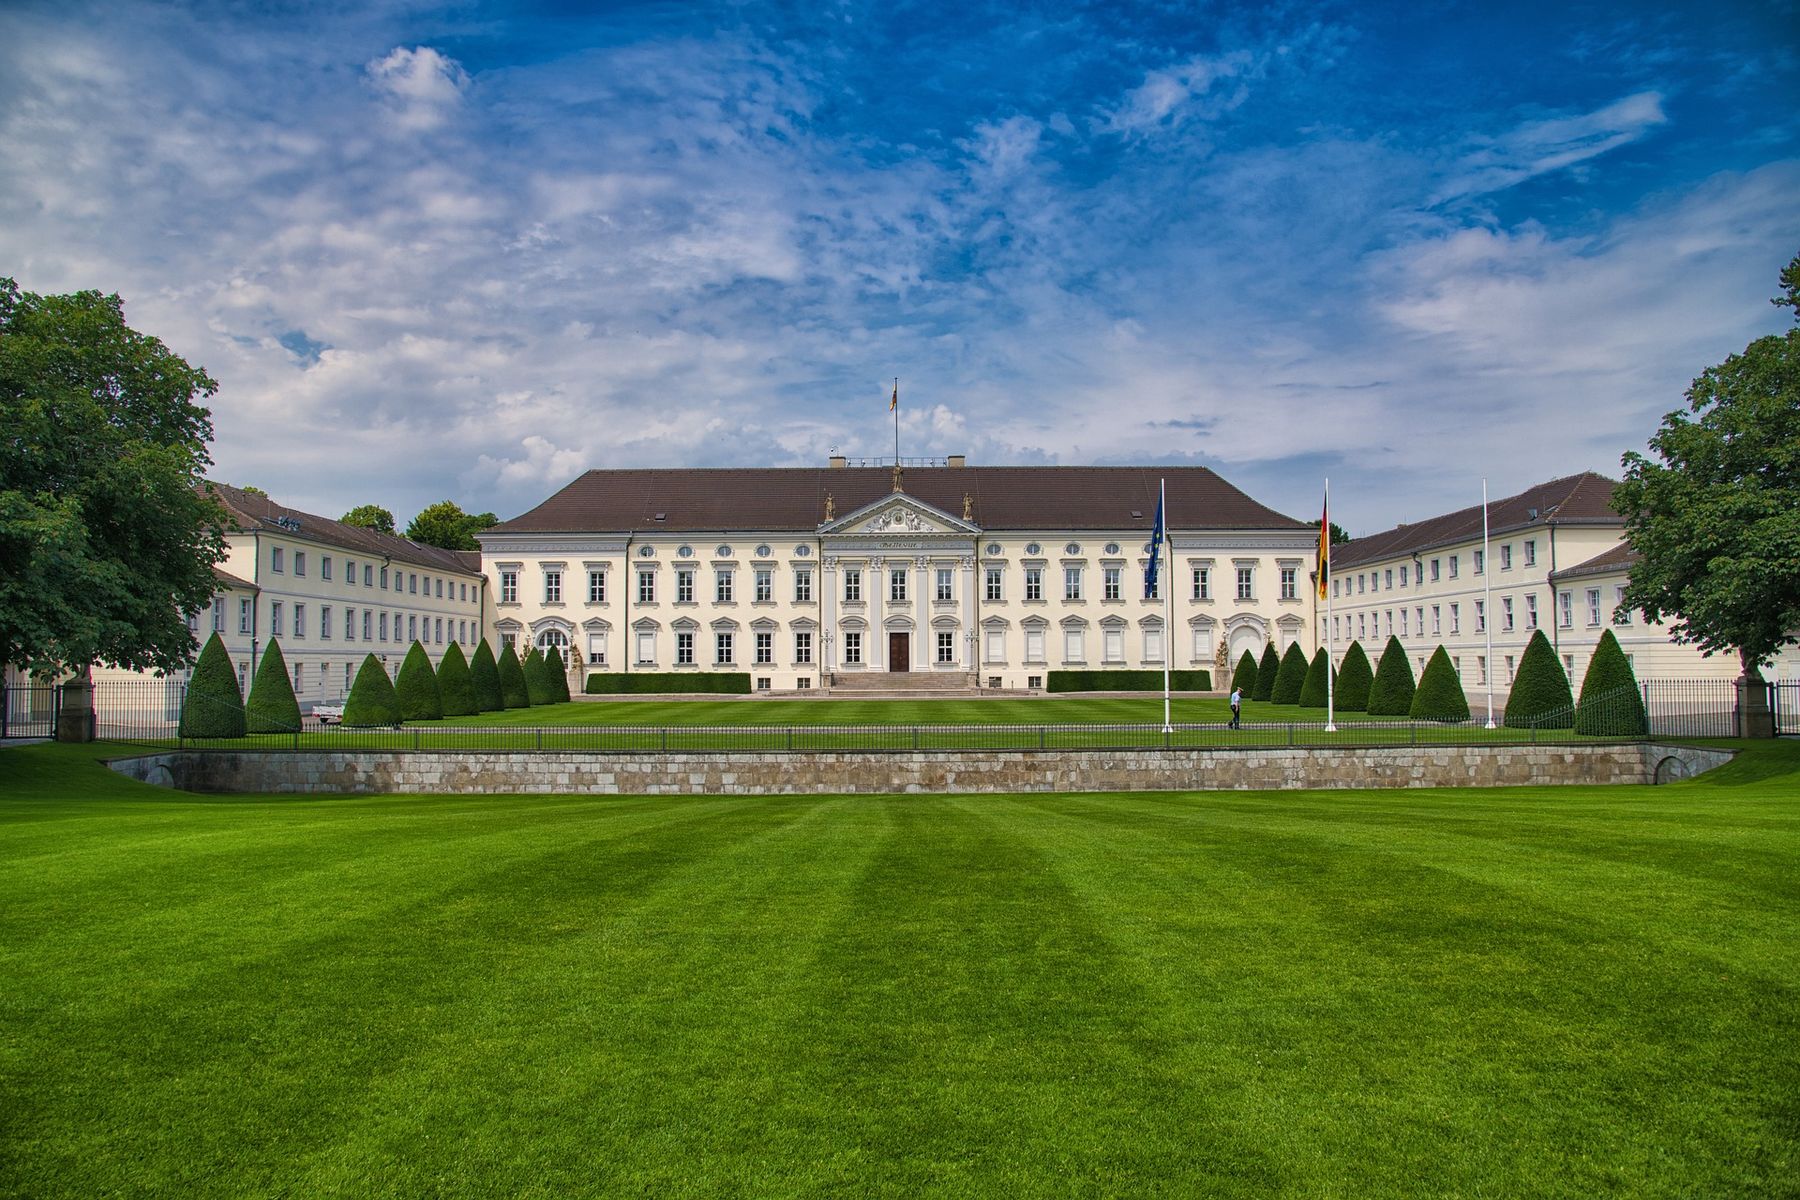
[(538, 686), (1354, 679), (1611, 704), (1439, 696), (1290, 677), (1266, 670), (372, 700), (484, 675), (213, 707), (1391, 695), (417, 687), (1540, 695), (1312, 692), (512, 678), (456, 687), (272, 707), (558, 671), (1244, 678)]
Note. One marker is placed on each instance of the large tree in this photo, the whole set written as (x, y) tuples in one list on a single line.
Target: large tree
[(370, 516), (1717, 521), (107, 541), (445, 524)]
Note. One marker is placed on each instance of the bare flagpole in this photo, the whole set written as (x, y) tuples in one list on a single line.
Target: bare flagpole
[(1168, 599), (1487, 600)]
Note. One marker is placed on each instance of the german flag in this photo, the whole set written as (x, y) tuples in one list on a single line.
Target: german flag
[(1324, 543)]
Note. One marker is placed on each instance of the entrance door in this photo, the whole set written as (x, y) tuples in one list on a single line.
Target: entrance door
[(899, 652)]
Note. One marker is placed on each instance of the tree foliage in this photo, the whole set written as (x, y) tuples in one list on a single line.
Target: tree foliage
[(559, 676), (1439, 696), (213, 707), (1354, 679), (1312, 691), (107, 541), (1290, 676), (1611, 704), (445, 524), (1266, 671), (456, 687), (1244, 678), (372, 700), (1717, 521), (1391, 695), (271, 707), (370, 516), (513, 690), (1540, 695), (484, 674), (539, 687), (416, 688)]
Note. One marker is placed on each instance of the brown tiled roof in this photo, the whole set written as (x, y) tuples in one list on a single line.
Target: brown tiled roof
[(1620, 558), (249, 511), (1584, 499), (793, 499), (230, 580)]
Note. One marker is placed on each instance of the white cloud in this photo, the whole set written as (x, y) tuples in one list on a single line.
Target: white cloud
[(1173, 95), (421, 85), (1541, 146)]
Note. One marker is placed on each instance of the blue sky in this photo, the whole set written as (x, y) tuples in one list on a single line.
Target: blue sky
[(470, 251)]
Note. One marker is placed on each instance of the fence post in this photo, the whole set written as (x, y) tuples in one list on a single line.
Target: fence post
[(1166, 736), (1041, 736), (539, 738), (790, 739), (915, 737), (1534, 732), (5, 708), (1412, 732), (1290, 733), (665, 737)]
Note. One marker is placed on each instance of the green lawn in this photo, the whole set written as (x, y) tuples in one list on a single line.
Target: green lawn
[(1557, 991)]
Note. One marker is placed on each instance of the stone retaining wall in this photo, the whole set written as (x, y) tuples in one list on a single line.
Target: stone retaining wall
[(454, 772)]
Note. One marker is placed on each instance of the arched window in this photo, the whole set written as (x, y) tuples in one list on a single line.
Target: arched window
[(552, 639)]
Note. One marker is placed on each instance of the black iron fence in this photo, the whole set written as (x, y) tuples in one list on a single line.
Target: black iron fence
[(1784, 698), (28, 710)]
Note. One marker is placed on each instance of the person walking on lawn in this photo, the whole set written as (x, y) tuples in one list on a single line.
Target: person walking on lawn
[(1237, 702)]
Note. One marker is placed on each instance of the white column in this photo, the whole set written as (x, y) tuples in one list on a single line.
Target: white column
[(825, 653), (971, 631), (875, 588), (923, 651)]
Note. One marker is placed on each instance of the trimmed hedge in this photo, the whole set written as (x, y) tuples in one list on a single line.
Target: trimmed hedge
[(538, 685), (1611, 704), (213, 707), (1244, 678), (456, 688), (271, 707), (372, 700), (1391, 695), (512, 678), (417, 687), (1439, 696), (1127, 681), (1354, 679), (484, 676), (1540, 693), (1266, 670), (735, 683), (1312, 692), (1290, 677), (558, 672)]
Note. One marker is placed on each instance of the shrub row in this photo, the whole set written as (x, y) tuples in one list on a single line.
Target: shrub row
[(735, 683), (1127, 681)]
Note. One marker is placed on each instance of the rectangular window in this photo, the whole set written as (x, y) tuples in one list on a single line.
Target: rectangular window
[(1389, 582), (367, 616), (1113, 645), (349, 624), (946, 584), (299, 562), (552, 587), (1509, 670), (1203, 583), (765, 584), (803, 648), (1419, 619), (244, 615), (1480, 616), (1246, 583), (1034, 583), (1565, 609), (193, 623), (276, 559), (509, 587), (1155, 589), (1568, 659), (1531, 610), (1593, 606), (996, 646), (803, 585), (1621, 614), (722, 648), (1456, 618), (300, 620), (384, 578), (437, 630), (347, 671), (765, 648), (1071, 583), (1402, 577), (994, 591), (684, 648), (1481, 667), (1153, 651), (897, 585), (299, 672), (1362, 584), (684, 586), (1453, 566), (646, 587), (1506, 556), (853, 647), (218, 614), (1110, 582), (1437, 619), (596, 587), (412, 628), (852, 586), (325, 621), (325, 567), (1530, 553), (1361, 630), (412, 584), (369, 575), (384, 629), (1434, 570), (946, 647), (1480, 561), (1034, 645), (722, 585), (1290, 586), (350, 571), (597, 649), (1073, 645), (438, 589), (1403, 632), (646, 647)]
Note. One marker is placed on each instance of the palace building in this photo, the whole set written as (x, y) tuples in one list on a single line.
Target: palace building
[(975, 577)]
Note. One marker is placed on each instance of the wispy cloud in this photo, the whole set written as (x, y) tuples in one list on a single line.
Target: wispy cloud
[(1551, 144), (1200, 88)]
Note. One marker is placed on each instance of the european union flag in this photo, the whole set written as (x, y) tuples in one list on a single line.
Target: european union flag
[(1156, 542)]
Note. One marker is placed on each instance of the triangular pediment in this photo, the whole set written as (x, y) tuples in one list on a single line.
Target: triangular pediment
[(899, 513)]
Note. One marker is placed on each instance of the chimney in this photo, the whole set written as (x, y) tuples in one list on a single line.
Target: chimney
[(956, 460), (839, 460)]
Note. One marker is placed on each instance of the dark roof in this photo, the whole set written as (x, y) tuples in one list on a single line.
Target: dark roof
[(1584, 499), (793, 499), (251, 511), (1620, 558), (230, 580)]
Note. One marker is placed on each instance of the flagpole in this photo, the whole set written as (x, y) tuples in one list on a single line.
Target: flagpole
[(1168, 600), (1487, 600), (896, 408), (1330, 611)]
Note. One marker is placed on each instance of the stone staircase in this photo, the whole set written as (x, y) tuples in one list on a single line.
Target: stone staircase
[(906, 685)]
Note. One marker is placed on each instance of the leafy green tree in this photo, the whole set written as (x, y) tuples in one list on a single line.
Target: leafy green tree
[(1540, 695), (559, 675), (1611, 704), (1354, 679), (1717, 521), (1244, 678), (1439, 696), (1290, 676), (445, 524), (1391, 695), (417, 687), (372, 700), (455, 685), (1312, 692), (213, 707), (370, 516), (538, 685), (1266, 671), (484, 674), (513, 689), (272, 707), (107, 539)]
